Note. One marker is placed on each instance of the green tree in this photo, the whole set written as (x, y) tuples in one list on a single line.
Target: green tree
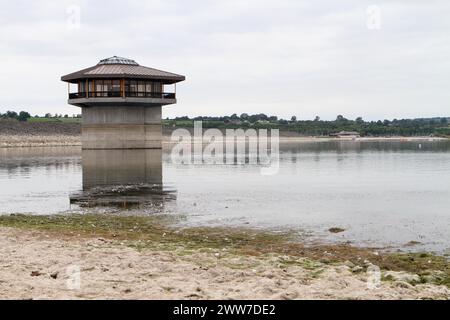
[(23, 116), (244, 116), (11, 114)]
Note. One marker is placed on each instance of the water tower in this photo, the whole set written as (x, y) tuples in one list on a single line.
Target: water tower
[(121, 128), (121, 103)]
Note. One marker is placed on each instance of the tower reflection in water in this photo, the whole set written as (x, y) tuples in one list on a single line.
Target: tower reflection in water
[(122, 178)]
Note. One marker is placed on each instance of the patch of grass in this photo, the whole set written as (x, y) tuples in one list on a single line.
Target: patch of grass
[(422, 264), (149, 231), (316, 274), (64, 120), (387, 277), (414, 262)]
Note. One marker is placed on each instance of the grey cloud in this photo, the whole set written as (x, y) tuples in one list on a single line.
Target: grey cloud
[(278, 57)]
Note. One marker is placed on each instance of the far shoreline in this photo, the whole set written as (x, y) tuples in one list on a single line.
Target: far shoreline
[(31, 141), (14, 134)]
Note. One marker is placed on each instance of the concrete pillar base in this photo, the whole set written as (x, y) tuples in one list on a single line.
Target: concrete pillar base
[(121, 127), (121, 167)]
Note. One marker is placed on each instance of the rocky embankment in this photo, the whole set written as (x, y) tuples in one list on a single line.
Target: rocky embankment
[(34, 134), (58, 134)]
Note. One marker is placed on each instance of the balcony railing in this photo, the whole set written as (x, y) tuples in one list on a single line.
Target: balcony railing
[(105, 94), (157, 95), (118, 94)]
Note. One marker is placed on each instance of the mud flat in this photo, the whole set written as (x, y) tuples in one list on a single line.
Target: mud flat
[(148, 258)]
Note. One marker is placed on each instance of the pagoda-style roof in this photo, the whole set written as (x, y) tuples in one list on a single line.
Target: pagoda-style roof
[(119, 68)]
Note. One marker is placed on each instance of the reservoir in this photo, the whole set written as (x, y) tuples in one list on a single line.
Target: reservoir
[(386, 193)]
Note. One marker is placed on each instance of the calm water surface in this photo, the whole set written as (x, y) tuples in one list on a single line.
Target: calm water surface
[(382, 193)]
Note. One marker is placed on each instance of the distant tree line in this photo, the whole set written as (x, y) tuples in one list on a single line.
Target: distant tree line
[(24, 116), (318, 127), (56, 115), (315, 127), (21, 116)]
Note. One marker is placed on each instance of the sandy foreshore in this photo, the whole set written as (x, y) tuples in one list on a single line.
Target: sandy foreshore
[(39, 263)]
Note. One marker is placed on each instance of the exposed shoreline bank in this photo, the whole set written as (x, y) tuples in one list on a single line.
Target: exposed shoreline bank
[(30, 141), (147, 258), (54, 134)]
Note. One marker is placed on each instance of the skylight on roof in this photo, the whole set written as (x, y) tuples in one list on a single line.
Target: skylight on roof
[(118, 60)]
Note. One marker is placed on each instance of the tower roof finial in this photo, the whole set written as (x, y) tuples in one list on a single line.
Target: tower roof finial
[(118, 60)]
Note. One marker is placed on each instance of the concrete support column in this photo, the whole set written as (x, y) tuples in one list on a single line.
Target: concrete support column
[(121, 127), (121, 167), (122, 177)]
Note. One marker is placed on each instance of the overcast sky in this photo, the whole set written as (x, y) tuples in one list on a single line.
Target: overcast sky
[(280, 57)]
